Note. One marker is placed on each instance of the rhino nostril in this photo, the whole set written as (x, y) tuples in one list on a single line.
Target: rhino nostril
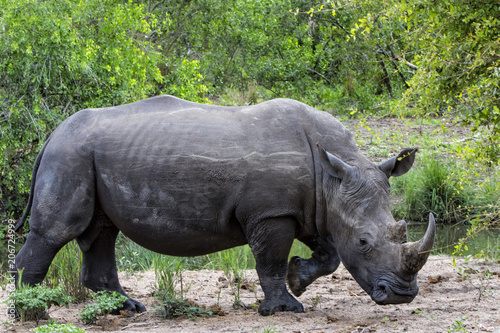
[(383, 287)]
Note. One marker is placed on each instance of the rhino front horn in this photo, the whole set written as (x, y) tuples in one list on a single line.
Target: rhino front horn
[(414, 255)]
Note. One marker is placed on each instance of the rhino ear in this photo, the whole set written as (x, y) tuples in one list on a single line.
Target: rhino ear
[(333, 165), (399, 165)]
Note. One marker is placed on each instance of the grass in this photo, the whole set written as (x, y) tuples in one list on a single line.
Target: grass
[(445, 188), (65, 271), (132, 258)]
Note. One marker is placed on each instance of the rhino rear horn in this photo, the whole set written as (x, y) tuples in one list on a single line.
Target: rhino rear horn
[(414, 255)]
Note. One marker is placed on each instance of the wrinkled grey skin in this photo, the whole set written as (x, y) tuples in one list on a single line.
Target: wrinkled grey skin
[(186, 179)]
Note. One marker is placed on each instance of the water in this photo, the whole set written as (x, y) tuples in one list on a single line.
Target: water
[(447, 236)]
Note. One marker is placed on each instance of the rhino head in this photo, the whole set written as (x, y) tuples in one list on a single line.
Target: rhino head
[(371, 244)]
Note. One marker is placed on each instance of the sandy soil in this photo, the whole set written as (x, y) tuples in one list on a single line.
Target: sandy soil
[(334, 303)]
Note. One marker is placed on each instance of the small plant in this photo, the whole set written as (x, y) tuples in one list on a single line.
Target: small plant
[(106, 302), (32, 302), (168, 271), (178, 307), (458, 326), (316, 301), (269, 329), (467, 272), (131, 257), (58, 328)]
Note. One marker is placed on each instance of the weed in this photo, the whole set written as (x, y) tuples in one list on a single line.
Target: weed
[(105, 303), (178, 307), (32, 302), (234, 263), (168, 271), (132, 257), (58, 328), (458, 326), (268, 329), (467, 273), (316, 301)]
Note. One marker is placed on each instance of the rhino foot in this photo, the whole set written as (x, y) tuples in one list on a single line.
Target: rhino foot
[(130, 305), (298, 276), (269, 307)]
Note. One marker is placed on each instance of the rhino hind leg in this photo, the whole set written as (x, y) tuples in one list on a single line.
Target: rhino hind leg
[(270, 242), (53, 223), (34, 259), (99, 272), (303, 272)]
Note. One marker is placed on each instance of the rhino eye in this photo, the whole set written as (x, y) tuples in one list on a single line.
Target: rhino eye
[(363, 242)]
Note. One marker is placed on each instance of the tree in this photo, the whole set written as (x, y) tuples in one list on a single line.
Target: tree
[(57, 57), (454, 48)]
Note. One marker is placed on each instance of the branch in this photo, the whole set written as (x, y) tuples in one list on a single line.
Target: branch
[(395, 56), (381, 50)]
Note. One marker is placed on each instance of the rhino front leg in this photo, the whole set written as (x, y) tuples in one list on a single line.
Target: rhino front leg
[(99, 271), (270, 241), (324, 260)]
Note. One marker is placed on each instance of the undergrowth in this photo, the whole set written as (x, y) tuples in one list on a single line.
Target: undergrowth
[(105, 302), (57, 328), (180, 307), (448, 189), (33, 302)]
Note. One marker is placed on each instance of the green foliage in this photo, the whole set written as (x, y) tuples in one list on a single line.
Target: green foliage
[(480, 280), (131, 257), (168, 271), (65, 271), (105, 303), (459, 65), (31, 302), (446, 189), (458, 326), (58, 328), (452, 49), (234, 263), (59, 57), (179, 307), (186, 82), (242, 43)]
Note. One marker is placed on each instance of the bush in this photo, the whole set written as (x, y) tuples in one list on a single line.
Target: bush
[(106, 302), (82, 54), (31, 302), (57, 328)]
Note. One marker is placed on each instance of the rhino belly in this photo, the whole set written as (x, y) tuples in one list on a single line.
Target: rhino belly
[(166, 211)]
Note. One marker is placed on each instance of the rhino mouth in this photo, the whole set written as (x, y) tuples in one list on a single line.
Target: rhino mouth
[(390, 292)]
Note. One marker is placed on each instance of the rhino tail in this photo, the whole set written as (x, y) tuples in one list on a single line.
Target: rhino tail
[(22, 220)]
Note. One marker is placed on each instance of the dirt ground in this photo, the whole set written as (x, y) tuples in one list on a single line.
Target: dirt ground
[(465, 298)]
